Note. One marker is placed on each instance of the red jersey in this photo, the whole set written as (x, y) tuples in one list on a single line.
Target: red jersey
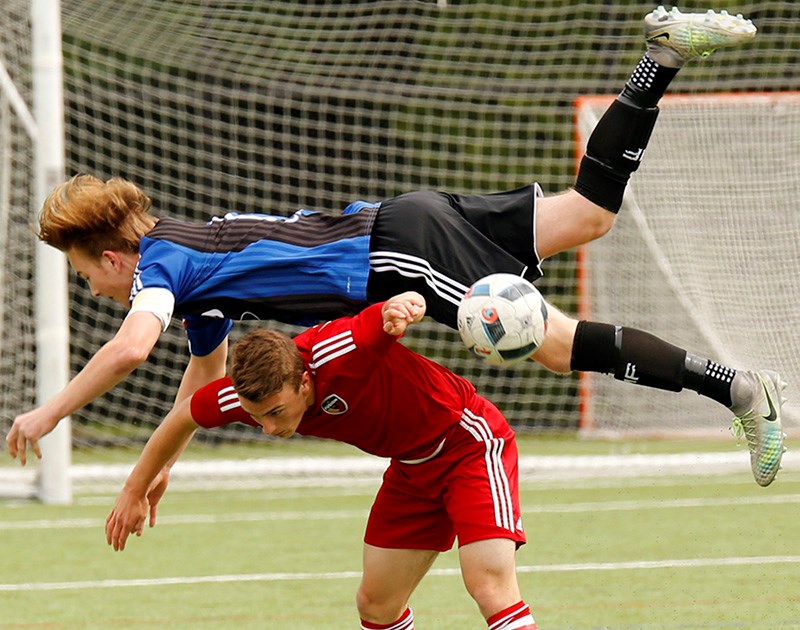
[(370, 391)]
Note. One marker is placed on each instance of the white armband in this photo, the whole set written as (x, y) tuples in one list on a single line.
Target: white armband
[(159, 302)]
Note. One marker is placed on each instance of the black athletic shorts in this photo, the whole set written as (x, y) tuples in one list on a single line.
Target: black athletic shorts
[(439, 243)]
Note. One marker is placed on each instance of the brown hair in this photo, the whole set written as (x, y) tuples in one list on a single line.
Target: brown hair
[(93, 216), (263, 361)]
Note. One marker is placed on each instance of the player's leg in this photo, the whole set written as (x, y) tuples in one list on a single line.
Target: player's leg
[(618, 142), (489, 571), (389, 578), (482, 499), (407, 528), (408, 254), (638, 357)]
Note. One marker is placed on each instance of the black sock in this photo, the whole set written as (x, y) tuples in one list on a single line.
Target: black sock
[(617, 144), (629, 354), (709, 378), (636, 356), (648, 83)]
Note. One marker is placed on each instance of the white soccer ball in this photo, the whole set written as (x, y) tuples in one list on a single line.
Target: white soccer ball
[(502, 319)]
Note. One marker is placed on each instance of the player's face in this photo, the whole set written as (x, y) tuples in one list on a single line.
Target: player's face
[(280, 414), (107, 276)]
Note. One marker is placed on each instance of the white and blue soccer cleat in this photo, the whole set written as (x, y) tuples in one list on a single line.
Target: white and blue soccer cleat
[(673, 38), (757, 401)]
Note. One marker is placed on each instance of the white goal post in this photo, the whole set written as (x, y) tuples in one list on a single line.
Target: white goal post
[(52, 313), (705, 253)]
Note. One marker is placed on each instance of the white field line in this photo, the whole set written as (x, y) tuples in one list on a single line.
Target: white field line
[(189, 519), (615, 506), (557, 508), (281, 492), (675, 563), (366, 471), (262, 495)]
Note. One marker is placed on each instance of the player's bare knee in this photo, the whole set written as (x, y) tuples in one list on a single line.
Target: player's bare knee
[(555, 353), (589, 220), (600, 221), (378, 609), (364, 603), (485, 592), (493, 592)]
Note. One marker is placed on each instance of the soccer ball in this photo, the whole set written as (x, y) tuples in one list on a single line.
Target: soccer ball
[(502, 319)]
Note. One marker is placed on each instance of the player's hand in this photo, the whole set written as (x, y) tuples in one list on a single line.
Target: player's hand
[(126, 518), (154, 494), (400, 311), (26, 431)]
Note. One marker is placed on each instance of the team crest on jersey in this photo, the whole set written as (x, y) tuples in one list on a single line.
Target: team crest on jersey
[(334, 405)]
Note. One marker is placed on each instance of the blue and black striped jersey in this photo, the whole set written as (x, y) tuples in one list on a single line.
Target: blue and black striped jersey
[(300, 269)]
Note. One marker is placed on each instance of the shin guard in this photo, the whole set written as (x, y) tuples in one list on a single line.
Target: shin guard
[(614, 151)]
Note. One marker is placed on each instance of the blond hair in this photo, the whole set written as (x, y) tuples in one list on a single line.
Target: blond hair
[(262, 362), (93, 216)]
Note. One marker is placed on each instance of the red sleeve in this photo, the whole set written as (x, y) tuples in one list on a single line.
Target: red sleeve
[(217, 404), (369, 324)]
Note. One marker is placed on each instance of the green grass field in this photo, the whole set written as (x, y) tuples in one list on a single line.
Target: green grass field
[(666, 552)]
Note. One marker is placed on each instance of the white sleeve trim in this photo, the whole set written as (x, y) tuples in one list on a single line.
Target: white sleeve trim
[(537, 194), (159, 302)]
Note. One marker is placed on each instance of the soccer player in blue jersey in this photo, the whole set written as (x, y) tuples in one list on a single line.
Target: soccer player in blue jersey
[(313, 266)]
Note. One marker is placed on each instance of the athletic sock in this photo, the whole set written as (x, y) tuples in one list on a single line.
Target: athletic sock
[(405, 622), (638, 357), (648, 83), (709, 378), (516, 617), (617, 144)]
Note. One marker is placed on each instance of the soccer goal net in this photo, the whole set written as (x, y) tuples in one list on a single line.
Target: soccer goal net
[(17, 199), (273, 105), (705, 252)]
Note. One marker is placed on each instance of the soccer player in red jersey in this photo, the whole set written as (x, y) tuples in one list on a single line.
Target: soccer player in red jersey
[(453, 471)]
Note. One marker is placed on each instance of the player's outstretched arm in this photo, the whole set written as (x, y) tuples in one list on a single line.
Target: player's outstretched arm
[(111, 364), (147, 481), (401, 311), (202, 370)]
